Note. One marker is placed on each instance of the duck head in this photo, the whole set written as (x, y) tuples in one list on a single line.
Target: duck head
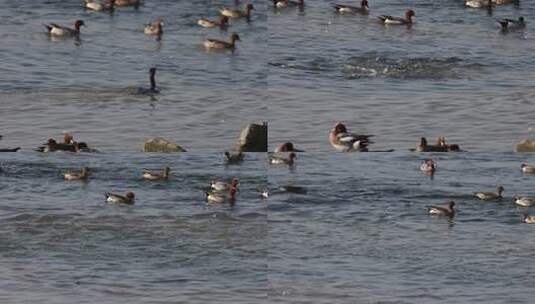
[(223, 20), (523, 165), (235, 182), (423, 142), (292, 156), (286, 147), (339, 128), (409, 14), (500, 190), (364, 4), (78, 24), (249, 7), (451, 204), (130, 195), (235, 37)]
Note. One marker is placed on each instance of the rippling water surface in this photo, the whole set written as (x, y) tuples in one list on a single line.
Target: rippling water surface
[(360, 233)]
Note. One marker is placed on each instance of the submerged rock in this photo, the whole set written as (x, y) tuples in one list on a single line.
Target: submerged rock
[(253, 138), (526, 145), (161, 145)]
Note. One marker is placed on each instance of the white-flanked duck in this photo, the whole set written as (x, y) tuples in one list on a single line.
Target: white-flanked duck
[(448, 210), (220, 197), (221, 23), (232, 13), (61, 31), (154, 28), (153, 176), (286, 147), (100, 6), (511, 24), (224, 186), (77, 175), (343, 141), (113, 198), (280, 160), (152, 90), (428, 166), (488, 196), (222, 45), (524, 201), (390, 20), (232, 159), (527, 169), (479, 3), (349, 9), (134, 3), (528, 219)]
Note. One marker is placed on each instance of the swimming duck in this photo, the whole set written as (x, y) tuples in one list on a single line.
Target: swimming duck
[(478, 3), (134, 3), (524, 201), (287, 3), (510, 24), (343, 141), (220, 44), (385, 19), (279, 160), (502, 2), (527, 169), (57, 30), (52, 146), (293, 189), (487, 196), (528, 219), (119, 199), (224, 186), (363, 9), (447, 210), (154, 28), (233, 158), (99, 7), (163, 175), (237, 13), (428, 166), (10, 149), (424, 147), (287, 147), (81, 175), (222, 197), (152, 89), (222, 22)]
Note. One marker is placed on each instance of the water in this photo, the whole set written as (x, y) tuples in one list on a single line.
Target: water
[(359, 235)]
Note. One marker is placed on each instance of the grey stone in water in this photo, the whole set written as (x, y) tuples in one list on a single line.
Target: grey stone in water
[(526, 145), (161, 145), (253, 138)]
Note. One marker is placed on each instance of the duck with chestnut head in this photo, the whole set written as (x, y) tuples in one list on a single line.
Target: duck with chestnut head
[(222, 22), (234, 13), (448, 210), (363, 9), (222, 45), (113, 198), (391, 20), (344, 141), (280, 160)]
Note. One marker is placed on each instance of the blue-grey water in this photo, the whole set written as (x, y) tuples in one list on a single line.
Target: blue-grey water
[(359, 235)]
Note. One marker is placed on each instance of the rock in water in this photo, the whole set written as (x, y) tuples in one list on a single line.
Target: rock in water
[(162, 145), (526, 146), (253, 138)]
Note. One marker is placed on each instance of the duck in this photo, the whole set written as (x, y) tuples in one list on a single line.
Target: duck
[(220, 44), (163, 175), (287, 3), (441, 142), (363, 9), (224, 186), (134, 3), (343, 141), (113, 198), (478, 3), (385, 19), (9, 150), (52, 146), (428, 166), (152, 90), (222, 197), (424, 147), (528, 219), (527, 169), (293, 189), (524, 201), (233, 158), (80, 175), (154, 28), (99, 7), (222, 22), (286, 147), (231, 13), (61, 31), (511, 24), (279, 160), (502, 2), (448, 210), (488, 196)]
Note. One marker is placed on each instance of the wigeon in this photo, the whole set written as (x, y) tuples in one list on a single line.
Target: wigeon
[(163, 175), (447, 210), (527, 169), (57, 30), (233, 158), (152, 90), (363, 9), (488, 196), (286, 147), (231, 13), (524, 201), (222, 22), (119, 199), (279, 160), (80, 175), (224, 186), (343, 141), (222, 197), (390, 20), (100, 6), (222, 45), (511, 24)]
